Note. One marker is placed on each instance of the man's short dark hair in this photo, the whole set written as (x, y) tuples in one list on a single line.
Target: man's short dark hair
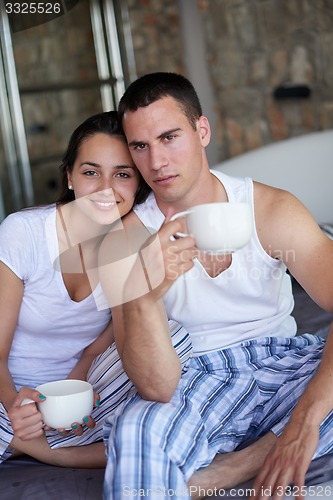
[(154, 86)]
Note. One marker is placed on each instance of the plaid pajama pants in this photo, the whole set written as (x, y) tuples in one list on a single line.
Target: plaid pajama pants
[(225, 399)]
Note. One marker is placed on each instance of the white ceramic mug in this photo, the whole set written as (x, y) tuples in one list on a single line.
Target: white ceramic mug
[(67, 401), (218, 228)]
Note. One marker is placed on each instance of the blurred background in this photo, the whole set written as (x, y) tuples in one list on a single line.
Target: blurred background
[(263, 70)]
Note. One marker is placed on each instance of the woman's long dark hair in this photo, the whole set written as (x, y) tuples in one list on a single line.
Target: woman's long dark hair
[(102, 123)]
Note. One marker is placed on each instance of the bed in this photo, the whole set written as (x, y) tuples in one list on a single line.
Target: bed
[(25, 478), (303, 166)]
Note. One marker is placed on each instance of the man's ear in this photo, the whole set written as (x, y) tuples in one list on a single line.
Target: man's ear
[(204, 130)]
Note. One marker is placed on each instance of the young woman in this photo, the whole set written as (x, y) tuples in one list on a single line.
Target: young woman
[(54, 316)]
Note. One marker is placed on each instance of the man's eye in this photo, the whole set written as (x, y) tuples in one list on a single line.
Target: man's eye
[(169, 137), (140, 146)]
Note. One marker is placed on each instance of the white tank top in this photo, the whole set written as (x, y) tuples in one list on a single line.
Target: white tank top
[(252, 298)]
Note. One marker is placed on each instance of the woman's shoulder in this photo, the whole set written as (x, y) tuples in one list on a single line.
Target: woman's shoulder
[(31, 215), (38, 212), (28, 226), (22, 237)]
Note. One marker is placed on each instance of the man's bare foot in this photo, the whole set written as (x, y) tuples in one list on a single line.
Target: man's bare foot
[(208, 478), (230, 469), (15, 454)]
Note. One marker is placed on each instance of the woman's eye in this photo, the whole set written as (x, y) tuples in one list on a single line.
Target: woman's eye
[(123, 175), (90, 173)]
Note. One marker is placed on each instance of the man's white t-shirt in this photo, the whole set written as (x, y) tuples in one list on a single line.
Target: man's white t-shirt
[(251, 299)]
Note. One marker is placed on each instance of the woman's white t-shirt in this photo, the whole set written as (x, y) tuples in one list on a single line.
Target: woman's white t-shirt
[(52, 329)]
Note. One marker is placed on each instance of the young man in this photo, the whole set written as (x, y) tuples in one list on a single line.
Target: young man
[(250, 379)]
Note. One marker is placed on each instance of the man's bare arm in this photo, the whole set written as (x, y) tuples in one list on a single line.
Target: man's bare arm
[(141, 328)]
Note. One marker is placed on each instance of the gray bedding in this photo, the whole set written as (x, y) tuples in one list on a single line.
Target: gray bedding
[(26, 479)]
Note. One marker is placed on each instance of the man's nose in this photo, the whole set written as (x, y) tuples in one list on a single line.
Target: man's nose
[(158, 158)]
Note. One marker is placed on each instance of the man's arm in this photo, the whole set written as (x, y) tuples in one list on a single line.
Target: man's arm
[(147, 354), (288, 231), (290, 457), (141, 328)]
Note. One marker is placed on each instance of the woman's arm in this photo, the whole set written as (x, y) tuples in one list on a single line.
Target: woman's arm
[(11, 293), (26, 420), (81, 368), (105, 339)]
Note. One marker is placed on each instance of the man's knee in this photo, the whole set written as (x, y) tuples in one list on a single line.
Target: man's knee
[(137, 414)]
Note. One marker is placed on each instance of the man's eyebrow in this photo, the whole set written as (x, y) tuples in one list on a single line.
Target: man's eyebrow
[(163, 134), (168, 132), (135, 143)]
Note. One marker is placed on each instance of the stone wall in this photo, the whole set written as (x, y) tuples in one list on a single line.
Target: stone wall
[(51, 60), (156, 34), (253, 46)]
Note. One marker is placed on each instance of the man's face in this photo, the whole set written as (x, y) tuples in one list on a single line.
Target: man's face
[(166, 149)]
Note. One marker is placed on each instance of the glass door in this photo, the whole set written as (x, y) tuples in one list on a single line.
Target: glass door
[(54, 75)]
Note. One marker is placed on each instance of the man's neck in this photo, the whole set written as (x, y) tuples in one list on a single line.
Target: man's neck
[(210, 190)]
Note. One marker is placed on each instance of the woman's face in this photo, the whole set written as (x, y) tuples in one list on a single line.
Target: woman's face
[(104, 178)]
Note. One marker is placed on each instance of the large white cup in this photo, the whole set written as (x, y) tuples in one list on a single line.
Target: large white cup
[(67, 401), (218, 228)]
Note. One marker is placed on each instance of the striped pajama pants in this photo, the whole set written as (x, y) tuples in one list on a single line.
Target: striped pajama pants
[(225, 399), (109, 380)]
